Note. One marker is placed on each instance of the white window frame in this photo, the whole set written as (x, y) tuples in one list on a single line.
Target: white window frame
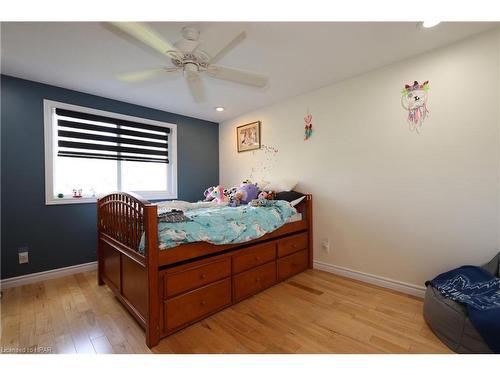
[(50, 137)]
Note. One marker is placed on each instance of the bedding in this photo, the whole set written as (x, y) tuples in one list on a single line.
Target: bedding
[(294, 218), (167, 206), (221, 224)]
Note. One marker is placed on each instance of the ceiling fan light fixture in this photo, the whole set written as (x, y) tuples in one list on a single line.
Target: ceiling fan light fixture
[(194, 62), (430, 23), (190, 71), (220, 109), (190, 67)]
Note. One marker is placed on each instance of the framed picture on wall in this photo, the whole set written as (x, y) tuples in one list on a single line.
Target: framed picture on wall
[(248, 136)]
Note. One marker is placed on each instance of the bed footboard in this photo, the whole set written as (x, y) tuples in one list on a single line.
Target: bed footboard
[(123, 221)]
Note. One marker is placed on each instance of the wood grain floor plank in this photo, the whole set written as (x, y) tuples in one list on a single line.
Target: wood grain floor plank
[(102, 345)]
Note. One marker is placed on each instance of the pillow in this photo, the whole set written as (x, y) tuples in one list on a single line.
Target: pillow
[(289, 196), (297, 201), (202, 204), (280, 185), (262, 185), (167, 206)]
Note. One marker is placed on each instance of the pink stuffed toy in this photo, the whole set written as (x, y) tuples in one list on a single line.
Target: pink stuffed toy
[(269, 195), (218, 194)]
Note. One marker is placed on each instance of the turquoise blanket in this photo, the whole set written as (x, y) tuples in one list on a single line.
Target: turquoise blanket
[(224, 225)]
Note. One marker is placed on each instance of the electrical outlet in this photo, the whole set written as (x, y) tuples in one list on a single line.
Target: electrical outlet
[(325, 244), (23, 255)]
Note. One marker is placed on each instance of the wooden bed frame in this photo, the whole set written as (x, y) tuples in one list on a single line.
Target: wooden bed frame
[(167, 290)]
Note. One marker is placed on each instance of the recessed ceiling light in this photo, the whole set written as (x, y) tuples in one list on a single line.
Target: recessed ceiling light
[(219, 109), (429, 24)]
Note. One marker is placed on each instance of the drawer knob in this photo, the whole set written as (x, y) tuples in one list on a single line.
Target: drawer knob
[(257, 258), (257, 279), (202, 303), (203, 276), (294, 246)]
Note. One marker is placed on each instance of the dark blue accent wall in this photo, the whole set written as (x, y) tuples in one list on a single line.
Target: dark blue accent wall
[(65, 235)]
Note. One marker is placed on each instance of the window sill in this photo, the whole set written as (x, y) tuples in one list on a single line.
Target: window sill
[(57, 201), (149, 196)]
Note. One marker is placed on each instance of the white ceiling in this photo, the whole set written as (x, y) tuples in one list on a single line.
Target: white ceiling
[(297, 57)]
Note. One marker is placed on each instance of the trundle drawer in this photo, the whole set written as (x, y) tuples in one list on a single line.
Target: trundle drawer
[(192, 306), (195, 277), (292, 264), (254, 256), (250, 282), (292, 244)]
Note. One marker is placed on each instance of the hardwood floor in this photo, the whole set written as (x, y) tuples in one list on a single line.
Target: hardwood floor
[(313, 312)]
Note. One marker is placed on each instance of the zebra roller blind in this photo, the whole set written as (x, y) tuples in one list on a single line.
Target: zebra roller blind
[(84, 135)]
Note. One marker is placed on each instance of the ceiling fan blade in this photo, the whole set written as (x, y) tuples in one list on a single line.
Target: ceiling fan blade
[(195, 85), (218, 45), (144, 75), (237, 75), (146, 35)]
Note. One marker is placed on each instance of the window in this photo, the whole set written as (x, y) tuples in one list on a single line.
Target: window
[(89, 153)]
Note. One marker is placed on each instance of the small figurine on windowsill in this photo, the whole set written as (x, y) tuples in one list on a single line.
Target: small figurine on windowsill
[(77, 193)]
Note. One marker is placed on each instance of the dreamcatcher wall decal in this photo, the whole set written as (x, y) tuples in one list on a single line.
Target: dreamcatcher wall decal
[(308, 128), (414, 100)]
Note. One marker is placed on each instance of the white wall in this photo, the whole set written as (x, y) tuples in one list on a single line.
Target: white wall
[(393, 203)]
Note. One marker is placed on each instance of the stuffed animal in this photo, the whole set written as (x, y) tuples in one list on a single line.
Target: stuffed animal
[(218, 195), (246, 192), (208, 194), (233, 202), (270, 195), (230, 192)]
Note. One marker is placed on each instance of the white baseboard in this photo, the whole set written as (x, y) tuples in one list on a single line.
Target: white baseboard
[(52, 274), (385, 282), (400, 286)]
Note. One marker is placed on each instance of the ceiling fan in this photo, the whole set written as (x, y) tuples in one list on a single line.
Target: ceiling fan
[(189, 57)]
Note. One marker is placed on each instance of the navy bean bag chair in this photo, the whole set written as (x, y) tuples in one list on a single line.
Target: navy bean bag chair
[(449, 319)]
